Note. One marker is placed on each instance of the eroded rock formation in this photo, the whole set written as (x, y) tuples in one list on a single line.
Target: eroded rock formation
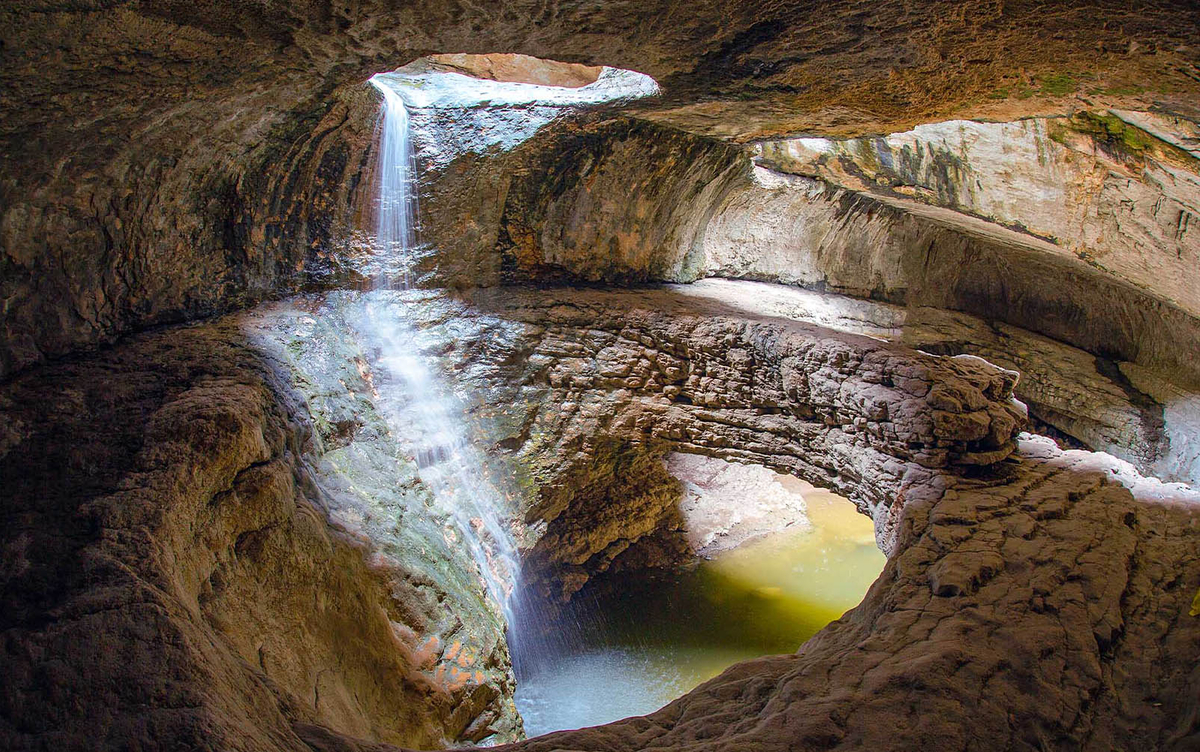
[(215, 539), (1043, 606), (172, 577), (165, 161)]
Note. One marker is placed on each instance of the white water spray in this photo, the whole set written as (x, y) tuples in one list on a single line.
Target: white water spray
[(397, 218), (421, 411)]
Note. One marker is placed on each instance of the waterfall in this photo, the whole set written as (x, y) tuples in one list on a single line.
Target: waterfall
[(420, 409), (396, 228)]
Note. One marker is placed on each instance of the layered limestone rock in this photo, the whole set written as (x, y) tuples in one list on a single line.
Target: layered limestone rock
[(1136, 414), (1117, 196), (176, 574), (580, 395), (601, 199), (164, 161), (580, 385), (186, 565)]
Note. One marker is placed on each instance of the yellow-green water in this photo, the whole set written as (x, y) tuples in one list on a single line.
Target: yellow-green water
[(657, 638)]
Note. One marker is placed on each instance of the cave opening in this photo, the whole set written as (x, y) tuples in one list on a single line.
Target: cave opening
[(324, 431)]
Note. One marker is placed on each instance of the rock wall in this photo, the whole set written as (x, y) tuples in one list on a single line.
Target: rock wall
[(165, 161), (591, 198), (195, 222), (561, 373), (1044, 606), (805, 232), (172, 579), (602, 200), (182, 537), (1131, 412), (1119, 197), (1117, 407)]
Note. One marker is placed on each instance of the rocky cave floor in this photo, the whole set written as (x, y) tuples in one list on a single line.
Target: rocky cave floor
[(1038, 601)]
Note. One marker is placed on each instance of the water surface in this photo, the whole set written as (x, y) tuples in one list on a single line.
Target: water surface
[(661, 636)]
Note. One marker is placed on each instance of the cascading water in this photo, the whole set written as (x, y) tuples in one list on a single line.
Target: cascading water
[(602, 657), (418, 407), (396, 229)]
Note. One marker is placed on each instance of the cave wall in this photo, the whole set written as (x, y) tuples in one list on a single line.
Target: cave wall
[(176, 573), (1046, 606), (805, 232), (164, 161), (1054, 583), (1120, 196), (558, 373), (597, 199), (627, 205), (179, 217)]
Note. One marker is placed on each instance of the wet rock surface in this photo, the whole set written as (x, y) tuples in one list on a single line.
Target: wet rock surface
[(561, 375), (212, 541), (1136, 414), (1036, 594), (1045, 605), (1040, 600), (177, 574)]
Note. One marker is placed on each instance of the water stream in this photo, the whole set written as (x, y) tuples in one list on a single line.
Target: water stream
[(417, 404), (650, 640)]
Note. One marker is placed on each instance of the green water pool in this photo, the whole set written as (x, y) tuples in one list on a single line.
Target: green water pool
[(658, 637)]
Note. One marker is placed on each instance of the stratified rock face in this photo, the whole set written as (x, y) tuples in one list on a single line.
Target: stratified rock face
[(1136, 414), (1038, 601), (175, 557), (805, 232), (618, 200), (563, 375), (171, 580), (128, 235), (1116, 195), (165, 160), (1118, 407)]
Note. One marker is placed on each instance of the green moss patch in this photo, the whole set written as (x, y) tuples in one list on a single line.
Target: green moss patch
[(1058, 84), (1123, 141)]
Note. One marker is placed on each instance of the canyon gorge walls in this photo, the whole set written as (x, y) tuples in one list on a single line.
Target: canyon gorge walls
[(215, 537)]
